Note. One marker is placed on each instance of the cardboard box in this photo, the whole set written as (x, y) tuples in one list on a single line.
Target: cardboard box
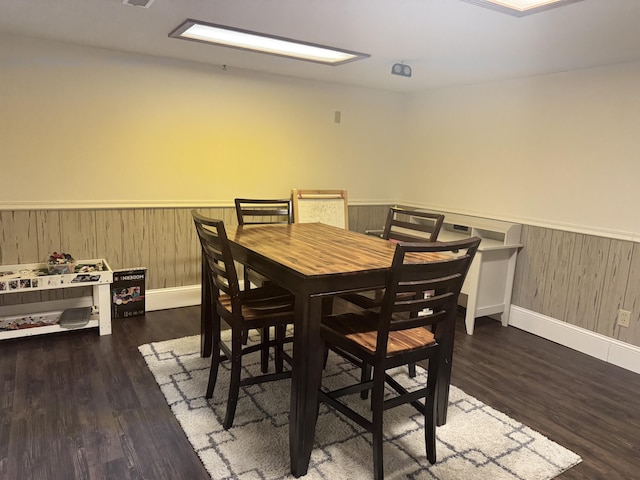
[(127, 292)]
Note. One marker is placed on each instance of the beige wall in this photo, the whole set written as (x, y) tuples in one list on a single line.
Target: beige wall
[(86, 126), (558, 150)]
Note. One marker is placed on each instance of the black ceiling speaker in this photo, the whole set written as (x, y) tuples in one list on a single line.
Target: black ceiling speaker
[(401, 69)]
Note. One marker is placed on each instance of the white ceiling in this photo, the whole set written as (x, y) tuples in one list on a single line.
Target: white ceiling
[(446, 42)]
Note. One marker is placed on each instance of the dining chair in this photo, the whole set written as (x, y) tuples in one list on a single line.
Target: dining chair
[(252, 211), (259, 211), (396, 334), (401, 225), (241, 310)]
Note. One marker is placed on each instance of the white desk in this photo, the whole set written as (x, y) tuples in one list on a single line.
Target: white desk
[(489, 284)]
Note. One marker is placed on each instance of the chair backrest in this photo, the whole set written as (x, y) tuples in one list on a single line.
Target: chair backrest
[(406, 225), (423, 286), (258, 211), (325, 206), (217, 260)]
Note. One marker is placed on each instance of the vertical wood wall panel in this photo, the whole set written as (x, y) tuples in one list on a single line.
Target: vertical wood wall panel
[(531, 268), (365, 217), (632, 301), (19, 245), (49, 235), (49, 240), (163, 247), (616, 276), (587, 281), (78, 228), (136, 243), (19, 237), (187, 259), (556, 283), (110, 235)]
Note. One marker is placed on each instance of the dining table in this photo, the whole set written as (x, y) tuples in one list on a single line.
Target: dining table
[(317, 262)]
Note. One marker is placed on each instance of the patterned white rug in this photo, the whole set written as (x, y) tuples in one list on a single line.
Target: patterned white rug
[(477, 442)]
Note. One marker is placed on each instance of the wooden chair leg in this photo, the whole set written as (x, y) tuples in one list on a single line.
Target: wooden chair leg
[(234, 384), (430, 430), (430, 412), (215, 363), (279, 357), (264, 351), (365, 376), (205, 338), (377, 397), (207, 309), (247, 283)]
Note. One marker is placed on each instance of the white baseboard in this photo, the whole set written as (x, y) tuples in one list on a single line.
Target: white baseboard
[(174, 297), (164, 298), (593, 344)]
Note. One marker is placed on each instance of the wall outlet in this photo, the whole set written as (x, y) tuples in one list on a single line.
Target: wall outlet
[(624, 317)]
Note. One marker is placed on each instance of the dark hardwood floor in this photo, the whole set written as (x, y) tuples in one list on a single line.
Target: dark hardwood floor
[(79, 406)]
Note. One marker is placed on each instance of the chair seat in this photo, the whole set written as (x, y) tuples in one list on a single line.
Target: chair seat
[(362, 328), (262, 303)]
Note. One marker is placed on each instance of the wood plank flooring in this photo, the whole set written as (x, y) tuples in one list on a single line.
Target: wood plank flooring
[(79, 406)]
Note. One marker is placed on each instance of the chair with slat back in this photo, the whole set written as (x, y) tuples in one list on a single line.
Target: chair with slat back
[(260, 211), (405, 225), (252, 211), (409, 327), (402, 225), (241, 310)]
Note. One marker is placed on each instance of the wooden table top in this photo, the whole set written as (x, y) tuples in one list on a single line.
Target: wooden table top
[(316, 248)]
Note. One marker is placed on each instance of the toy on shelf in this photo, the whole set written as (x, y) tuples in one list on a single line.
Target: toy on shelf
[(61, 263)]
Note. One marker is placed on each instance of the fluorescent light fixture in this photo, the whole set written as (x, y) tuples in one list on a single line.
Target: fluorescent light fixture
[(263, 43), (520, 8)]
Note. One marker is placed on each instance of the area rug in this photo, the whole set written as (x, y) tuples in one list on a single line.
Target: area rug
[(477, 442)]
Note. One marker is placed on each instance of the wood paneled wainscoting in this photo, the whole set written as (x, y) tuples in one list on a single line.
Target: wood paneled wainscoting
[(572, 280), (577, 283), (161, 239)]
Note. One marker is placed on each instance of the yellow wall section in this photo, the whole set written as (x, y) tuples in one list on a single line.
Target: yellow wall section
[(87, 125)]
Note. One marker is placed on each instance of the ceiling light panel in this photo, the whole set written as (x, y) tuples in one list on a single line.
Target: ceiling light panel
[(520, 8), (259, 42)]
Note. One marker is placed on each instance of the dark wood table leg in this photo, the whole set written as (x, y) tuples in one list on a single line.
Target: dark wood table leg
[(305, 381)]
